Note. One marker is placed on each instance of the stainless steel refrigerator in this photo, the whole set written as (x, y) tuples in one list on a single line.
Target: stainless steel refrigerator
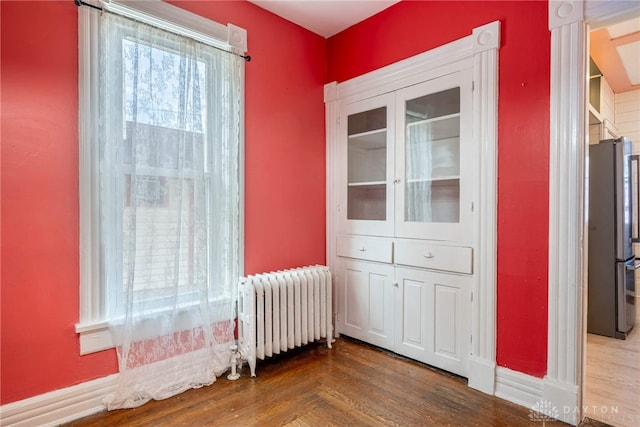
[(613, 228)]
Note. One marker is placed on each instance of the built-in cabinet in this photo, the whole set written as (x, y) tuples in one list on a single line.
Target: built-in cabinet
[(404, 243), (411, 205)]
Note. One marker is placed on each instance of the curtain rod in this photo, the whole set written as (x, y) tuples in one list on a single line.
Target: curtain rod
[(82, 3)]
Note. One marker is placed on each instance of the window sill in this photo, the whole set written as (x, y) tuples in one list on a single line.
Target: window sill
[(94, 337), (97, 336)]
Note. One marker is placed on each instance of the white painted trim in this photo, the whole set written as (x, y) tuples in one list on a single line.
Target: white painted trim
[(484, 374), (59, 406), (71, 403), (564, 382), (416, 69), (486, 37), (485, 143), (331, 112), (565, 398), (94, 337), (180, 21), (566, 212), (89, 249), (565, 12), (518, 388), (480, 52)]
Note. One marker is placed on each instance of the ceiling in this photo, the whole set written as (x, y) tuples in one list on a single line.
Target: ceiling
[(324, 17), (616, 52)]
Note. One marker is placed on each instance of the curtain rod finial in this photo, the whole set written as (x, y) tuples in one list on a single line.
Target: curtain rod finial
[(82, 3)]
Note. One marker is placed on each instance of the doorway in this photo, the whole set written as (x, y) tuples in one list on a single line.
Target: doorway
[(611, 390), (564, 382)]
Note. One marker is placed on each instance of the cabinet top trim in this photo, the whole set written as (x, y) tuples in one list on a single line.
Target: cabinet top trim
[(433, 63)]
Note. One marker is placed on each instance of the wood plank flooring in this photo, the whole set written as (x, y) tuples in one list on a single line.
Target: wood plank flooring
[(351, 385), (613, 378)]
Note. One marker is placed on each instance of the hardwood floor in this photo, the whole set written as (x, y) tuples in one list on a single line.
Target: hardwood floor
[(613, 378), (351, 385)]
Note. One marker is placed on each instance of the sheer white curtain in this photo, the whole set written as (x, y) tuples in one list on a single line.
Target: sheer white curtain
[(169, 154), (419, 169)]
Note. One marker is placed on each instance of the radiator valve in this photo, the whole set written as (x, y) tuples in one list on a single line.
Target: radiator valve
[(234, 375)]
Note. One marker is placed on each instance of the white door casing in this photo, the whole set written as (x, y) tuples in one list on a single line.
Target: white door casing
[(563, 385)]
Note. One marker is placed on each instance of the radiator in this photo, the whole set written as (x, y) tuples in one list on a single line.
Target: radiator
[(282, 310)]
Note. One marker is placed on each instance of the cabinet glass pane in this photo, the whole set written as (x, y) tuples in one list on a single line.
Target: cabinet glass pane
[(367, 165), (432, 158)]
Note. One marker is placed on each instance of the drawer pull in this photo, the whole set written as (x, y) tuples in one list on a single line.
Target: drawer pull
[(363, 249), (429, 255)]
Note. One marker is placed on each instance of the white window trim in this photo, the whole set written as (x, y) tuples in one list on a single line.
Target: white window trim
[(179, 21), (94, 332)]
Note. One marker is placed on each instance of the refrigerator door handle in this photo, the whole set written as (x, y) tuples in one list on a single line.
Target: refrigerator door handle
[(634, 172), (633, 267)]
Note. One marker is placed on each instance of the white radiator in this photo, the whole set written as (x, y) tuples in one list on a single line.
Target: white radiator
[(282, 310)]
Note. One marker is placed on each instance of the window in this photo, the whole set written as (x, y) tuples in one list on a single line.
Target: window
[(160, 163)]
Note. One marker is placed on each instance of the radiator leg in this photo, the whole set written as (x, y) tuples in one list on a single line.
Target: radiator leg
[(252, 366), (234, 375)]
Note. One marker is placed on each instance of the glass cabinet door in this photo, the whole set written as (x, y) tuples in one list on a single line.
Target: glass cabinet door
[(369, 166), (432, 123)]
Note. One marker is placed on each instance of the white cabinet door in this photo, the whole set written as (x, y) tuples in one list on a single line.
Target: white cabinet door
[(365, 156), (366, 306), (433, 167), (433, 318)]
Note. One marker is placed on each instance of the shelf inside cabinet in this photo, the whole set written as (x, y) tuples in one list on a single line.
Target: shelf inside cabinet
[(433, 201), (434, 179), (366, 183), (433, 159), (371, 140), (435, 129), (367, 202)]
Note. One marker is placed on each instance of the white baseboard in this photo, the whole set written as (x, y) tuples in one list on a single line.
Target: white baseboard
[(518, 388), (564, 400), (482, 375), (59, 406), (71, 403), (552, 399)]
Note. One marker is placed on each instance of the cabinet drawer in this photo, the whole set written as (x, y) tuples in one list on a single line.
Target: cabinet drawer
[(369, 248), (458, 259)]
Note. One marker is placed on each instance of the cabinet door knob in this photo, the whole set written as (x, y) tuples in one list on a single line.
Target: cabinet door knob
[(396, 181), (363, 249), (395, 284), (429, 255)]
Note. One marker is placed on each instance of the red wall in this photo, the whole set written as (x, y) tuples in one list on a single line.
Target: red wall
[(409, 28), (284, 183), (284, 180)]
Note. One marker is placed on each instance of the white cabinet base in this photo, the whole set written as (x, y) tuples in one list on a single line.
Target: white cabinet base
[(366, 302), (416, 313), (433, 318)]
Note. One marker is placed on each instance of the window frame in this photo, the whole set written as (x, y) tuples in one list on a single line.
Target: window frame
[(93, 327)]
